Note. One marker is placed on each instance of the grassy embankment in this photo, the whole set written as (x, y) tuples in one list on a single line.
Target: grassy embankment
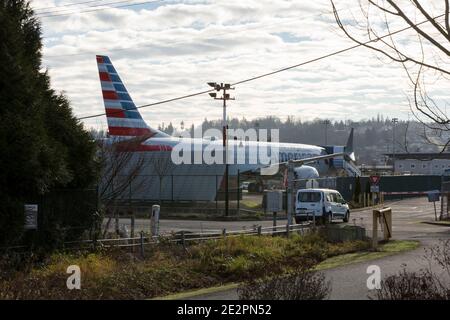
[(169, 269)]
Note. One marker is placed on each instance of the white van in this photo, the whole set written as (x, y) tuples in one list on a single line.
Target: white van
[(322, 204)]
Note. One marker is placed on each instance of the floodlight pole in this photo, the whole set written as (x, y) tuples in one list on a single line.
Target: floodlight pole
[(394, 121), (225, 97), (225, 151)]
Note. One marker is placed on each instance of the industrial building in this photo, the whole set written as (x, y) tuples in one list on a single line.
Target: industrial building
[(420, 163)]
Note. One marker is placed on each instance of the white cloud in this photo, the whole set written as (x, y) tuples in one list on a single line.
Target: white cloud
[(173, 48)]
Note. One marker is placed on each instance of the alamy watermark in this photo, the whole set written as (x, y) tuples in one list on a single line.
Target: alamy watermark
[(74, 280), (246, 147), (374, 280)]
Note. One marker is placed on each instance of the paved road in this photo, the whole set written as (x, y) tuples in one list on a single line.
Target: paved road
[(349, 282)]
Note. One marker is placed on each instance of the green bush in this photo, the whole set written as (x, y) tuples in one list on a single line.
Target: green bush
[(167, 268)]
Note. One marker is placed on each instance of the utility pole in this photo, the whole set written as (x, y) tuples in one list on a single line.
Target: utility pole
[(394, 121), (225, 96), (326, 122)]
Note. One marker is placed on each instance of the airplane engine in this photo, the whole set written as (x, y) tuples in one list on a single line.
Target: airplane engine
[(306, 172)]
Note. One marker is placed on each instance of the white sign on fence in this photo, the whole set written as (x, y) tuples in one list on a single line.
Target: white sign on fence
[(31, 214), (274, 201)]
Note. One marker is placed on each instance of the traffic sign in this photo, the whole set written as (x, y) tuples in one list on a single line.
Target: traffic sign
[(31, 217), (374, 180), (374, 188)]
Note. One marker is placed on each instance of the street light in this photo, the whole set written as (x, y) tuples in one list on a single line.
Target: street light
[(225, 96), (394, 121), (326, 122)]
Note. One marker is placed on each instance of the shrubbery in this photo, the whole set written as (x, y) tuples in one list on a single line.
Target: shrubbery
[(167, 268), (301, 284), (425, 284)]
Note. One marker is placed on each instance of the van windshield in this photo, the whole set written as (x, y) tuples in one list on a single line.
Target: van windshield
[(309, 197)]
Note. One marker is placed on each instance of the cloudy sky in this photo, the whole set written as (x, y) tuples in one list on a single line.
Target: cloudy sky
[(164, 49)]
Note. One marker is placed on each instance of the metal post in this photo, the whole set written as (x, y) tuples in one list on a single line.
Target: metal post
[(259, 230), (217, 196), (435, 214), (116, 218), (172, 186), (132, 225), (314, 220), (183, 239), (290, 199), (274, 222), (225, 146), (287, 230), (224, 87), (238, 192), (142, 244), (224, 233), (441, 198), (375, 214), (326, 122), (394, 121)]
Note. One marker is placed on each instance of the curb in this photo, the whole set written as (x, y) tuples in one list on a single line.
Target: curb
[(198, 292), (437, 223)]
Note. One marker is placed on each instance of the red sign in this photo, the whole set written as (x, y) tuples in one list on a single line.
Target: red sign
[(374, 180)]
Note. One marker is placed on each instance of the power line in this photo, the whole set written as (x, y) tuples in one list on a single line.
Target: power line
[(225, 33), (100, 9), (274, 72), (67, 5), (71, 10)]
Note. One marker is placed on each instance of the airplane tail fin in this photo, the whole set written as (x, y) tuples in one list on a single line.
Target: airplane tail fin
[(348, 149), (124, 119)]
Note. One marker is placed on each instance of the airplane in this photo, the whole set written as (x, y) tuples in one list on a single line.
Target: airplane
[(126, 125)]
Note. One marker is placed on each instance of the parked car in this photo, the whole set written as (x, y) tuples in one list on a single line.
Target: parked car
[(244, 185), (324, 205)]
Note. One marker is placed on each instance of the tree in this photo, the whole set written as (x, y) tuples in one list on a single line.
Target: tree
[(422, 50), (43, 147), (162, 165), (120, 169)]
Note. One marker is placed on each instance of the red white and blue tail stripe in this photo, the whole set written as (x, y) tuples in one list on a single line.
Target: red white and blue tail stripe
[(123, 117)]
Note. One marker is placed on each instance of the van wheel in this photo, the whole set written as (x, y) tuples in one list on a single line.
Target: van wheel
[(347, 217)]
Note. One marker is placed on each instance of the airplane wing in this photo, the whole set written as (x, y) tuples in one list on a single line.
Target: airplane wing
[(348, 155), (270, 169)]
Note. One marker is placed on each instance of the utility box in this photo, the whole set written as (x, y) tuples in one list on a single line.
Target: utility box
[(154, 220), (274, 201)]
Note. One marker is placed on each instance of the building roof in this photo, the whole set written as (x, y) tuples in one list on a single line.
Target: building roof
[(420, 155)]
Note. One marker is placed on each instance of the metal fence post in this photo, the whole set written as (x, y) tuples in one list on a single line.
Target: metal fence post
[(116, 218), (238, 192), (183, 239), (274, 223), (259, 230), (142, 244), (132, 225), (224, 233)]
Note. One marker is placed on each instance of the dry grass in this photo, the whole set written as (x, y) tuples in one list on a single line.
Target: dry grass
[(166, 268)]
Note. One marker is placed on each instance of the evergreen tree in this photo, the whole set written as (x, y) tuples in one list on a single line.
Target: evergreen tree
[(42, 145)]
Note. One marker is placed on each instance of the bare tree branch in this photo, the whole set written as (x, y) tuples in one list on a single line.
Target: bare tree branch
[(417, 69)]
